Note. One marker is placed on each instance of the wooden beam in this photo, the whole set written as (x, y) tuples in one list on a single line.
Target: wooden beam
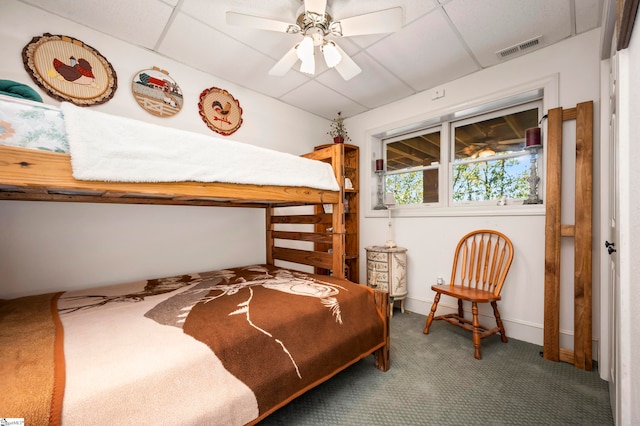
[(309, 219), (553, 206), (81, 198), (627, 10), (383, 359), (567, 356), (304, 257), (316, 237), (569, 114), (29, 169), (270, 241), (583, 237), (568, 230)]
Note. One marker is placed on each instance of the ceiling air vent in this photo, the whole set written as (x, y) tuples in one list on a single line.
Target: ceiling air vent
[(519, 47)]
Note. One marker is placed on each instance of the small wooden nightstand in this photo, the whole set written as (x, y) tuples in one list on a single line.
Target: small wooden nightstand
[(387, 270)]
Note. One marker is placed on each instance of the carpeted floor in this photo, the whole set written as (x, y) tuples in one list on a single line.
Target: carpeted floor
[(435, 380)]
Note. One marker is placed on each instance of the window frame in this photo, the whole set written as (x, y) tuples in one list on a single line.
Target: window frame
[(438, 128), (446, 125), (538, 103)]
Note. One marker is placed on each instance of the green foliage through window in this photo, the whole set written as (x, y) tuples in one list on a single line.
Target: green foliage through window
[(490, 180), (483, 156), (407, 188)]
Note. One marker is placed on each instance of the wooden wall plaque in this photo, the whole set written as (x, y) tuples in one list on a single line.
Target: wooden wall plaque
[(69, 70)]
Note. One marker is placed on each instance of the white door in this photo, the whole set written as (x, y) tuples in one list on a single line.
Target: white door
[(610, 244)]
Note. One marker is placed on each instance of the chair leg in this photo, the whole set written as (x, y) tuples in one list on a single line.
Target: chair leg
[(432, 313), (476, 331), (460, 310), (496, 313)]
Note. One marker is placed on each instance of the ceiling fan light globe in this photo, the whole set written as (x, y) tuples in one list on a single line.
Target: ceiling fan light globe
[(331, 55), (487, 152), (305, 49)]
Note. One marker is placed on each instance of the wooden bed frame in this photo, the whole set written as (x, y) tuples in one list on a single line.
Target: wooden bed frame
[(28, 174), (33, 175)]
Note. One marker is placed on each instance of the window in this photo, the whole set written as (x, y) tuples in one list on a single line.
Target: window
[(413, 164), (481, 158)]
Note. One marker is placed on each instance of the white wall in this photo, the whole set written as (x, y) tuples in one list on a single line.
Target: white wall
[(574, 65), (634, 228), (628, 391), (51, 246)]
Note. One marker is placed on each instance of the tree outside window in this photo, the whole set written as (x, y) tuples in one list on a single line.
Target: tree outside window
[(485, 159)]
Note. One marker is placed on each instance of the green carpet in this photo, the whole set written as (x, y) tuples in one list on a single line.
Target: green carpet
[(435, 380)]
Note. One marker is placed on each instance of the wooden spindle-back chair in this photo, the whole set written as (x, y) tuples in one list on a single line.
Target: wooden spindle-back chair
[(480, 265)]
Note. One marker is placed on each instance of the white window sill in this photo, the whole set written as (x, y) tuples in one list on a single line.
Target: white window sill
[(420, 211)]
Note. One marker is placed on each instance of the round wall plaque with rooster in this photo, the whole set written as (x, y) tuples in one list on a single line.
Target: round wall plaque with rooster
[(220, 111), (69, 70)]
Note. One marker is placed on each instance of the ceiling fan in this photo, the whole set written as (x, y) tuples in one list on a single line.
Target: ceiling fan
[(316, 26), (491, 139), (484, 149)]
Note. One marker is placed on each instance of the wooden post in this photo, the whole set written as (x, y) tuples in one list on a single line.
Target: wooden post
[(270, 241), (552, 241), (583, 237), (581, 231)]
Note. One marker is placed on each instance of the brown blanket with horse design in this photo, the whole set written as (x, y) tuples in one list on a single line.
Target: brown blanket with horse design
[(219, 347)]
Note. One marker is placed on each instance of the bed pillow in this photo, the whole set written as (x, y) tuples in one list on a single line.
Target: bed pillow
[(19, 90)]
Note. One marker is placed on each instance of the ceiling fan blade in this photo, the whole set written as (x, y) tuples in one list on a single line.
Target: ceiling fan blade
[(315, 6), (347, 67), (285, 63), (242, 20), (383, 21)]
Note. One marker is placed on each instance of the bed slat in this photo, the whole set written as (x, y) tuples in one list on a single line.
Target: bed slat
[(312, 258)]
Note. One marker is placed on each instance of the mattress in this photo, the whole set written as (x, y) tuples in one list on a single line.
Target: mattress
[(219, 347), (110, 148), (27, 124)]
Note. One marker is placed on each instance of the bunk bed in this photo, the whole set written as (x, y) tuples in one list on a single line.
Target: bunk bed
[(218, 347)]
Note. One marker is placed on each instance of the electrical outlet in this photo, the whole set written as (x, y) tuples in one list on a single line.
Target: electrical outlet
[(440, 280)]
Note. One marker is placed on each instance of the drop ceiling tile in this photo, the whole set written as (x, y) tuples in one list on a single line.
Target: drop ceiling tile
[(390, 88), (139, 22), (426, 53), (490, 26), (273, 86), (272, 43), (588, 13), (413, 9), (214, 11), (316, 99)]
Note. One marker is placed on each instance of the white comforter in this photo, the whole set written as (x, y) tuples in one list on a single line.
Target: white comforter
[(113, 148), (119, 149)]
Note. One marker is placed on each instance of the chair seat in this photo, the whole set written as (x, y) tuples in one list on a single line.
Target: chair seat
[(466, 293)]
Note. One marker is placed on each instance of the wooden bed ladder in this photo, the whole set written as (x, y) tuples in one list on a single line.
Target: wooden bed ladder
[(581, 232)]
